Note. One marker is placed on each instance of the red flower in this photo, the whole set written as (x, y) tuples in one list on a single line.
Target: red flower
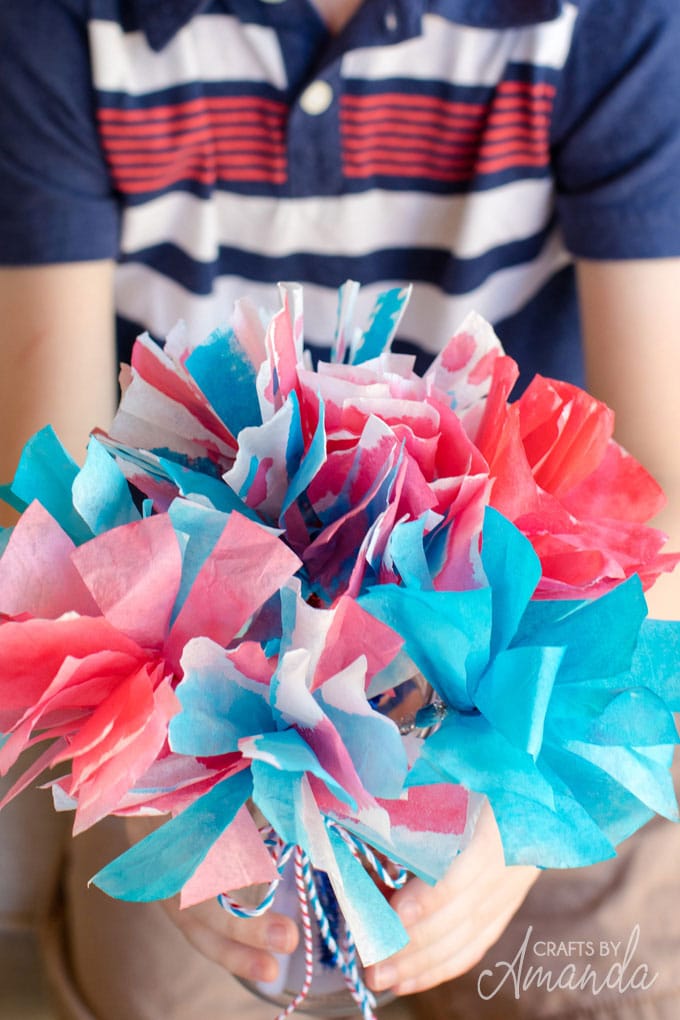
[(577, 495)]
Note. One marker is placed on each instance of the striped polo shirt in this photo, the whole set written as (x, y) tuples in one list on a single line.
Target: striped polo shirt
[(471, 148)]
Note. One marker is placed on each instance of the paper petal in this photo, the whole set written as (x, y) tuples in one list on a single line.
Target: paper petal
[(205, 489), (384, 323), (288, 752), (238, 858), (182, 844), (46, 472), (515, 691), (467, 750), (36, 571), (513, 570), (133, 574), (219, 704), (376, 928), (446, 634), (226, 375), (246, 566), (100, 492), (373, 741)]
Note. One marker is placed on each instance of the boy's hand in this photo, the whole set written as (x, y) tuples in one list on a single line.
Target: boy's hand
[(452, 924), (243, 946)]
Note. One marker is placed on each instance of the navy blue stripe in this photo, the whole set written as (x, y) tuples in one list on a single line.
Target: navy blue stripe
[(430, 265), (204, 191), (430, 88), (478, 181)]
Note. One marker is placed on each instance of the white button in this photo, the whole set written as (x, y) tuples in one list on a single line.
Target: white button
[(317, 97), (391, 21)]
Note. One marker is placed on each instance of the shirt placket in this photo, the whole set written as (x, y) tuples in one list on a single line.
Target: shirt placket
[(314, 147)]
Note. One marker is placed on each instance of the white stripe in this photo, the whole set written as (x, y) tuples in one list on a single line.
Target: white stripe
[(502, 295), (461, 55), (209, 48), (144, 295), (466, 225)]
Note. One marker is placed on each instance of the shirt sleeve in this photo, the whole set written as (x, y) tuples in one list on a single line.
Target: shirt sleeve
[(56, 199), (616, 131)]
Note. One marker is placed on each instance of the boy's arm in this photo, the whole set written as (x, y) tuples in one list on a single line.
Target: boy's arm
[(631, 326), (58, 361)]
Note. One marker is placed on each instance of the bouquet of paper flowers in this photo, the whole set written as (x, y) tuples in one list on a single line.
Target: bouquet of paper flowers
[(316, 614)]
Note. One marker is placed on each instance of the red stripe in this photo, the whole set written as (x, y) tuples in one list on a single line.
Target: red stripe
[(386, 169), (241, 138), (444, 155), (506, 92), (378, 145), (485, 156), (136, 180), (406, 109), (404, 133), (530, 132), (395, 134), (197, 176), (512, 118), (521, 154), (433, 122), (401, 100), (388, 121), (159, 150), (410, 164), (245, 161), (384, 117), (238, 139), (161, 129), (522, 105), (496, 166), (536, 88), (453, 169), (402, 141), (160, 161)]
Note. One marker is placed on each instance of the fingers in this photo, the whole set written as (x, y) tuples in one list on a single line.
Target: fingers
[(450, 940), (243, 946), (452, 924)]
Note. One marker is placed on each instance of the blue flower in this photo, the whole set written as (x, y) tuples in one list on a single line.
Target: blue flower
[(559, 711)]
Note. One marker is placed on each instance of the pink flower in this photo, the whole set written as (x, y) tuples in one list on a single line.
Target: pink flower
[(92, 637)]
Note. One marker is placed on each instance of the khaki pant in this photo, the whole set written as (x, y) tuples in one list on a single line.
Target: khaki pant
[(113, 961)]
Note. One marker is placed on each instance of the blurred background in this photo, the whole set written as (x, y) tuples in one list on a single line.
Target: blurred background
[(23, 988)]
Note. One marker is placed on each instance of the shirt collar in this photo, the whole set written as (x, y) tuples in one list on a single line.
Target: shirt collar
[(162, 19), (498, 13)]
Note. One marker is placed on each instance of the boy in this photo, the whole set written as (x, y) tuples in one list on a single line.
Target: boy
[(160, 159)]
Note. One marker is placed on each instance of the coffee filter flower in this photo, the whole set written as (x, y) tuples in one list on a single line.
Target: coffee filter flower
[(220, 609)]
